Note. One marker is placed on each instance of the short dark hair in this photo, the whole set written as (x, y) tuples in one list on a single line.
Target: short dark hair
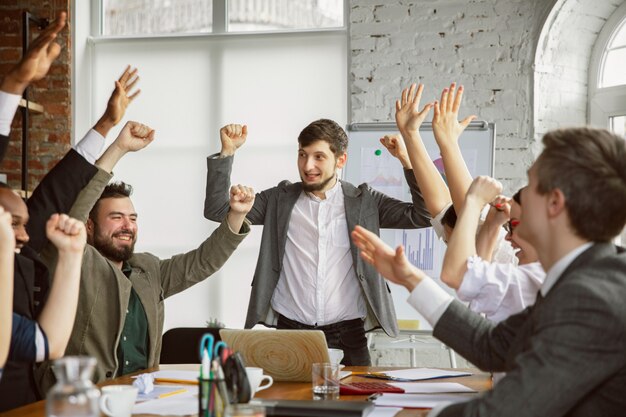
[(517, 197), (449, 217), (5, 185), (113, 190), (328, 131), (589, 167)]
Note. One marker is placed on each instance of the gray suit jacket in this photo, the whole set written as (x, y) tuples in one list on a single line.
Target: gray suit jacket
[(272, 208), (564, 356)]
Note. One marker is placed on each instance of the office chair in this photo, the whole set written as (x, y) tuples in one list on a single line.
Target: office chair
[(182, 344)]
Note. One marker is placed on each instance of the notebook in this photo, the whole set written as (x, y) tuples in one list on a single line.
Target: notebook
[(285, 355)]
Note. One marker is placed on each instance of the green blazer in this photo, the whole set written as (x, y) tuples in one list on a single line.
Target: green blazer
[(105, 290)]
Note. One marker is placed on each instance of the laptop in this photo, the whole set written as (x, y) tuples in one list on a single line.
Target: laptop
[(285, 355)]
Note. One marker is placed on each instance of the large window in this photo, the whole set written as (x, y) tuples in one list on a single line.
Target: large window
[(607, 78), (151, 17), (276, 83)]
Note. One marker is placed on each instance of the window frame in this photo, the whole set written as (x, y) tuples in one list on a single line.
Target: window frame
[(219, 25), (605, 102)]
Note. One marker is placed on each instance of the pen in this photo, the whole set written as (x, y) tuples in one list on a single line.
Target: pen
[(175, 381), (169, 394), (389, 378), (205, 385)]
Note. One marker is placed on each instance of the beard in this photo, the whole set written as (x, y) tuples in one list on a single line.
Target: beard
[(107, 248), (309, 188)]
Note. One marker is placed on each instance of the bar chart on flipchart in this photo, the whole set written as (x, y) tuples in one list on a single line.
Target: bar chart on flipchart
[(369, 162)]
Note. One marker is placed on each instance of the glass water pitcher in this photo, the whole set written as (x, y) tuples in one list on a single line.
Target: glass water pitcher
[(74, 394)]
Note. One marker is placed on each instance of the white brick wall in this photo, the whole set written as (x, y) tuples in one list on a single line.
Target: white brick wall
[(489, 47), (524, 77)]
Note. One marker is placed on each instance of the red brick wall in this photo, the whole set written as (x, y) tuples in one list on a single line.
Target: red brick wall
[(49, 132)]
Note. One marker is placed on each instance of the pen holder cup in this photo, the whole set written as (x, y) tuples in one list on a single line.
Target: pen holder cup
[(211, 401)]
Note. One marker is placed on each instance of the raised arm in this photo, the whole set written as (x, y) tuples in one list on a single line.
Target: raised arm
[(7, 252), (38, 59), (232, 137), (241, 201), (133, 137), (409, 118), (119, 101), (395, 145), (447, 130), (462, 243), (59, 189), (57, 317), (32, 67), (489, 233)]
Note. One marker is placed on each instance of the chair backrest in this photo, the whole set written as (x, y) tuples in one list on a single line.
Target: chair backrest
[(182, 344)]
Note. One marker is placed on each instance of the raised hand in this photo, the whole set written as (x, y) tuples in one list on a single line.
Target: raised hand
[(396, 147), (7, 236), (409, 117), (66, 234), (38, 59), (499, 212), (241, 199), (232, 137), (391, 264), (484, 190), (446, 126), (122, 95), (134, 136)]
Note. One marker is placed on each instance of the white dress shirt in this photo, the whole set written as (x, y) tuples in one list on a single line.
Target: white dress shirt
[(89, 147), (500, 289), (318, 285)]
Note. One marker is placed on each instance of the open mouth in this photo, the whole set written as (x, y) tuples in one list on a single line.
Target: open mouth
[(311, 177), (124, 237)]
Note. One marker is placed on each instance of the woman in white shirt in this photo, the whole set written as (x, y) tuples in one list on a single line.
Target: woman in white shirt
[(496, 289)]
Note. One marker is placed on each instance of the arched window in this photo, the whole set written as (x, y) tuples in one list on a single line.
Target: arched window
[(607, 78)]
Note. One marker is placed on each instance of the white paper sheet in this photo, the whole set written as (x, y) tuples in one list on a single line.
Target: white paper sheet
[(384, 412), (176, 405), (424, 373), (186, 376), (161, 390), (432, 387), (417, 400)]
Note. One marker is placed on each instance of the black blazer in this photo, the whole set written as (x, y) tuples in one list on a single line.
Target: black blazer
[(55, 194)]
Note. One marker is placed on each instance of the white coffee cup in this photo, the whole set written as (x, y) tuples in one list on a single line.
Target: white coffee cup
[(256, 377), (118, 400), (336, 355)]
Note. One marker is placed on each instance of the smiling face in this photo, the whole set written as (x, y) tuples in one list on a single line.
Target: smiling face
[(318, 166), (526, 253), (19, 216), (113, 232)]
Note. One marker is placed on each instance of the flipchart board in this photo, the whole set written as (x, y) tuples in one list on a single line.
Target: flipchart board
[(368, 161)]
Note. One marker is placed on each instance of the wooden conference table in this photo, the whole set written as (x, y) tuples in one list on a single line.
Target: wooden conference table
[(279, 390)]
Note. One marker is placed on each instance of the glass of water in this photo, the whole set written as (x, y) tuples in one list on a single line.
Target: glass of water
[(325, 380)]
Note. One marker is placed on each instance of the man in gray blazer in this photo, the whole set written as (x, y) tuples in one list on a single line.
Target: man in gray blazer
[(308, 274), (566, 355)]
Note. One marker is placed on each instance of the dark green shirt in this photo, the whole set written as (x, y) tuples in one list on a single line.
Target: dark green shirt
[(132, 350)]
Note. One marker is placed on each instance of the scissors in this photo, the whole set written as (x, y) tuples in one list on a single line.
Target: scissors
[(207, 342)]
